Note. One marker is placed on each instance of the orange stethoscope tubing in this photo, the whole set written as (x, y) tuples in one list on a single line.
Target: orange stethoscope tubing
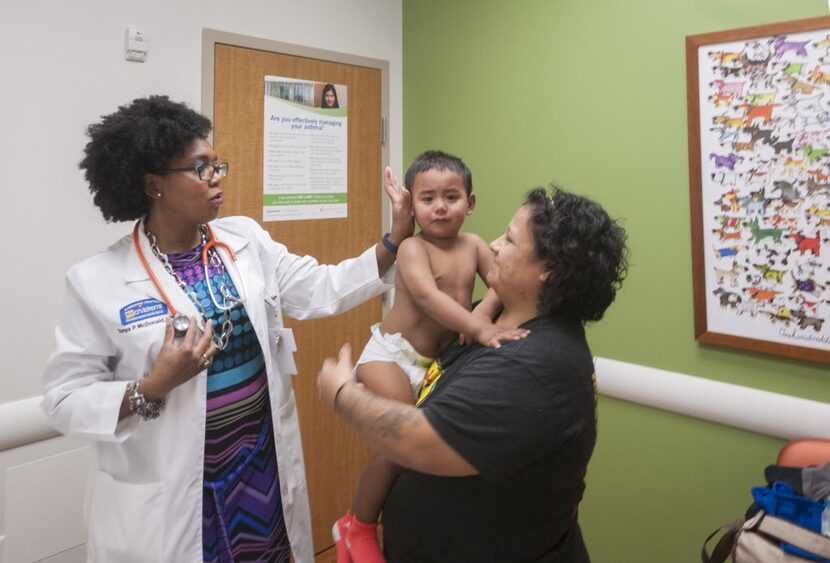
[(212, 242)]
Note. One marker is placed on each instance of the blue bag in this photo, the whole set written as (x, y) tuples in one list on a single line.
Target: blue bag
[(780, 500)]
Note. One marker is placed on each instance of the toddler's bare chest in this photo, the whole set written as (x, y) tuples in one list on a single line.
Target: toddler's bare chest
[(453, 272)]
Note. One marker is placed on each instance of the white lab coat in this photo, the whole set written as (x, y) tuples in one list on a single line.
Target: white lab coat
[(144, 499)]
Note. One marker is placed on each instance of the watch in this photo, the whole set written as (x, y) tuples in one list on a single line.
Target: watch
[(390, 246)]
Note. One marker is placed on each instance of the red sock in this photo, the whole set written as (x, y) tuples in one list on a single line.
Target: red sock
[(362, 541), (338, 533)]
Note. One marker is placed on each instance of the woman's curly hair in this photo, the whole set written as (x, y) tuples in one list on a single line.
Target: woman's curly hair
[(139, 138), (583, 249)]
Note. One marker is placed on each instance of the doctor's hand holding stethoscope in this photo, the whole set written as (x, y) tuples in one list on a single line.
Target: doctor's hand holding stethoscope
[(180, 359)]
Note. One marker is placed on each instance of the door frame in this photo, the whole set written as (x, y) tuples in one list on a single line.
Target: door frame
[(212, 37)]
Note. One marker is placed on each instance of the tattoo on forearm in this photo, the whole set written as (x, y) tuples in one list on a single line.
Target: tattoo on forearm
[(376, 416)]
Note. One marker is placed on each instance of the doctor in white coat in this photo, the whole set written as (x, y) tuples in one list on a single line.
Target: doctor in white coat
[(172, 358)]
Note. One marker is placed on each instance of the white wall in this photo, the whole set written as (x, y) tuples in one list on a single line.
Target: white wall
[(62, 66)]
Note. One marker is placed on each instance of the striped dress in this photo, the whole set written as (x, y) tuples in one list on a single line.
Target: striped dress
[(242, 518)]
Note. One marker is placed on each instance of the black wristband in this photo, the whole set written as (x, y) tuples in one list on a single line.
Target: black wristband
[(390, 246)]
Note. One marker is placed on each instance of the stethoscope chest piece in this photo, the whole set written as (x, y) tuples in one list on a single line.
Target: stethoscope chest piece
[(180, 324)]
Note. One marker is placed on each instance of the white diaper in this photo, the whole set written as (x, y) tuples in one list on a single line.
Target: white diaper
[(397, 349)]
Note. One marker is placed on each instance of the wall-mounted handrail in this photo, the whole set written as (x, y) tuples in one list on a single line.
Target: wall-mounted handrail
[(23, 422), (762, 412), (772, 414)]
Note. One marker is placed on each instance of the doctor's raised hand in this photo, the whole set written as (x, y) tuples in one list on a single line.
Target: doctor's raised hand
[(172, 357), (403, 222)]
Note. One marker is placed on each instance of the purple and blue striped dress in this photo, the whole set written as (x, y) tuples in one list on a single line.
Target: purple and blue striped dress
[(242, 518)]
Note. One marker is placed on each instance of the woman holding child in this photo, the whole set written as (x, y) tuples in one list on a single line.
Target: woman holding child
[(495, 454), (436, 271)]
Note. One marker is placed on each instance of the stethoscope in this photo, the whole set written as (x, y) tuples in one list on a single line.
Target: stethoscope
[(182, 322)]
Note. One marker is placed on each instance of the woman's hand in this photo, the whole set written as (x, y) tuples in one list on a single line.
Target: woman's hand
[(403, 224), (178, 362), (334, 375)]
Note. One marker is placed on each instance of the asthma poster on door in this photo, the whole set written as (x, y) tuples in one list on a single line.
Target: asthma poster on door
[(305, 160)]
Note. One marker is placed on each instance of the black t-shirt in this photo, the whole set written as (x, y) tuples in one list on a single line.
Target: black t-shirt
[(524, 416)]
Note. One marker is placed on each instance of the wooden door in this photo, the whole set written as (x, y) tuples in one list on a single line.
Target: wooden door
[(334, 454)]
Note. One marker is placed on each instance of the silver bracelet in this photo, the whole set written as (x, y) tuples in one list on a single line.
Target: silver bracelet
[(140, 405)]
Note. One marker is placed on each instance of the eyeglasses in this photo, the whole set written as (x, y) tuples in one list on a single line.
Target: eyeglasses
[(204, 171)]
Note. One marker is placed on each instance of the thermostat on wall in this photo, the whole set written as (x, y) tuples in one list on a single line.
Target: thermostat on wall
[(136, 45)]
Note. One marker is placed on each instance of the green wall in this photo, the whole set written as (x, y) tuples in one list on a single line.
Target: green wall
[(591, 94)]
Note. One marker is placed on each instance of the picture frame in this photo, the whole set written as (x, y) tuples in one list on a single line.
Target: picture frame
[(759, 183)]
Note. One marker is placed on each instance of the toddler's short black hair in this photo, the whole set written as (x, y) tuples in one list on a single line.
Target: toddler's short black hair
[(438, 160)]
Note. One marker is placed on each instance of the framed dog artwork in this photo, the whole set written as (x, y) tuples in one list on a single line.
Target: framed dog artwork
[(759, 168)]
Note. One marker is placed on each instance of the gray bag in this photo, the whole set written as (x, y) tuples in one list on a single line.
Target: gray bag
[(758, 539)]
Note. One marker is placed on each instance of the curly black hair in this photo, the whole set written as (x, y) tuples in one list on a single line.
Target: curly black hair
[(138, 139), (583, 249)]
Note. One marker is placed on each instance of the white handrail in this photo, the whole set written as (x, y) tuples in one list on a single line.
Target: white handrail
[(23, 422), (763, 412), (772, 414)]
